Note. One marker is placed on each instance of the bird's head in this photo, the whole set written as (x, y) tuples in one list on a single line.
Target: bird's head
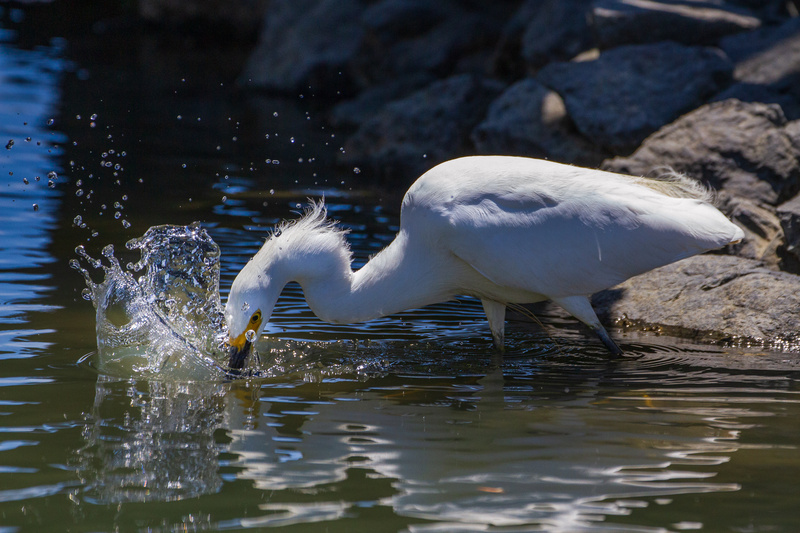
[(250, 303)]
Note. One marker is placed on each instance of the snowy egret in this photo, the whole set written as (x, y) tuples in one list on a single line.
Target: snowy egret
[(505, 230)]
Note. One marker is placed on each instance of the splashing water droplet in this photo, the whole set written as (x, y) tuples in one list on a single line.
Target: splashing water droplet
[(78, 220), (250, 335), (35, 207), (169, 322)]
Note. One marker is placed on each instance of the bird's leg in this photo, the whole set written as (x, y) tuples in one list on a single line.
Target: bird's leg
[(581, 308), (496, 313)]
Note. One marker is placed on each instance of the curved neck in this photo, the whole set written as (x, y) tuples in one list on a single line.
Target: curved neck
[(394, 280)]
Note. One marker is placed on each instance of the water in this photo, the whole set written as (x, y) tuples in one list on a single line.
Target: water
[(167, 323), (407, 423)]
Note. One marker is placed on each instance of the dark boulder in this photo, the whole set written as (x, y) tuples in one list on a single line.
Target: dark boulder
[(763, 234), (629, 92), (542, 31), (530, 120), (746, 149), (767, 66), (307, 46), (728, 295), (789, 215), (618, 22), (411, 135)]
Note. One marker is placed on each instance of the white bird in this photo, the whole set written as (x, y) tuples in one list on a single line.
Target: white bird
[(505, 230)]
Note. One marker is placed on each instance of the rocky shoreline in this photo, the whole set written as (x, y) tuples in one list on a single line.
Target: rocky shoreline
[(710, 88)]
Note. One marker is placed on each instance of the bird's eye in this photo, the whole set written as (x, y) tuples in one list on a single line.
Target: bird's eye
[(256, 317)]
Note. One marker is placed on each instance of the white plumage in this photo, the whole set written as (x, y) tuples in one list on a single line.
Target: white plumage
[(502, 229)]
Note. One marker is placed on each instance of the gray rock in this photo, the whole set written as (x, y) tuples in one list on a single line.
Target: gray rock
[(765, 55), (237, 18), (355, 111), (769, 59), (710, 293), (530, 120), (395, 19), (307, 45), (763, 234), (558, 31), (629, 92), (789, 215), (542, 31), (767, 94), (410, 135), (618, 22), (747, 149)]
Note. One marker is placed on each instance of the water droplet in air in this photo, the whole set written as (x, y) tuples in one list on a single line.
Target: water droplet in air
[(94, 116), (9, 144), (356, 170), (272, 191), (79, 192), (50, 121), (245, 306), (25, 181), (35, 207), (117, 215), (126, 224), (52, 175), (78, 220), (250, 335)]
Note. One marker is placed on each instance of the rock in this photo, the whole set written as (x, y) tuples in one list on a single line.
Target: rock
[(747, 149), (618, 22), (339, 47), (629, 92), (766, 55), (710, 293), (355, 111), (238, 19), (789, 215), (763, 234), (768, 58), (530, 120), (307, 46), (542, 31), (411, 135), (767, 94), (392, 20), (559, 31)]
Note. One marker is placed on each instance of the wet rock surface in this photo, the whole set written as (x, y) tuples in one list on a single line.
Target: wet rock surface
[(728, 295)]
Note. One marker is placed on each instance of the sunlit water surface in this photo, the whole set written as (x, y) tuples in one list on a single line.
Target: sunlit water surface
[(407, 423)]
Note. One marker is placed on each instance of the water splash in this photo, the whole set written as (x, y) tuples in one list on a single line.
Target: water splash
[(168, 322)]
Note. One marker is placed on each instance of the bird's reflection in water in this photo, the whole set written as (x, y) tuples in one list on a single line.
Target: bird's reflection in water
[(159, 445)]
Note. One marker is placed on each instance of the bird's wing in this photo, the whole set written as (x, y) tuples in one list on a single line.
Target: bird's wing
[(577, 243)]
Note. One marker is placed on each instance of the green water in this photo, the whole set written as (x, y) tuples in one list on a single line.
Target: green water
[(408, 423)]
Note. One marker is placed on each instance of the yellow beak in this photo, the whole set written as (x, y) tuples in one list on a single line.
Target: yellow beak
[(240, 349)]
